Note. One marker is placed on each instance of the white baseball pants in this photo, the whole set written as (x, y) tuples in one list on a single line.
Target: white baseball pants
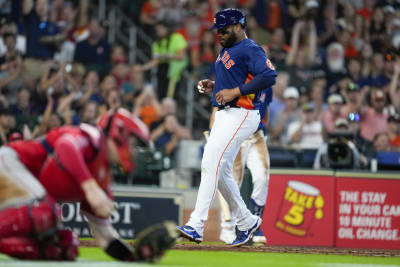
[(230, 128), (17, 185), (254, 154)]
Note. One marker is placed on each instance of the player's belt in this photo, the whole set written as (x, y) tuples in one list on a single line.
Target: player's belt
[(47, 146), (227, 107)]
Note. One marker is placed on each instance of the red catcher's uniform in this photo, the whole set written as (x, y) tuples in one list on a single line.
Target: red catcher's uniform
[(66, 157)]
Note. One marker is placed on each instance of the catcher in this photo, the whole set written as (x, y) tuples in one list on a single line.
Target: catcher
[(71, 164)]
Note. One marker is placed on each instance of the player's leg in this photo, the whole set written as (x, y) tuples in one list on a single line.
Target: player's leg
[(24, 208), (229, 130), (63, 246), (259, 165), (246, 223), (228, 223)]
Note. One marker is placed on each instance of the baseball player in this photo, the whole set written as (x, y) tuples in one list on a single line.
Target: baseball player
[(254, 154), (72, 164), (242, 72)]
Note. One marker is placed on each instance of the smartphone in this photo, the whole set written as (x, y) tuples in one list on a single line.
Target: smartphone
[(354, 117)]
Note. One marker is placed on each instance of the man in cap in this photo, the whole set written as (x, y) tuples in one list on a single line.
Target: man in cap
[(243, 71), (289, 114), (335, 102), (307, 132), (373, 119), (70, 164)]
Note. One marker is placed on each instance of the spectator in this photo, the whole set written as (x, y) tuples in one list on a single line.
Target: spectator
[(333, 113), (12, 77), (207, 55), (278, 101), (147, 107), (134, 87), (120, 68), (366, 60), (90, 90), (257, 33), (65, 21), (297, 9), (18, 42), (317, 97), (168, 134), (393, 128), (42, 36), (354, 70), (24, 110), (327, 29), (322, 157), (89, 113), (334, 65), (376, 76), (192, 30), (7, 124), (172, 12), (169, 55), (377, 29), (281, 120), (373, 120), (149, 12), (380, 143), (277, 48), (394, 93), (107, 85), (354, 99), (94, 52), (305, 133), (300, 59), (113, 100)]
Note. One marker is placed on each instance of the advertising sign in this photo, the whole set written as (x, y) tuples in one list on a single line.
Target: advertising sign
[(300, 210), (133, 213), (368, 213)]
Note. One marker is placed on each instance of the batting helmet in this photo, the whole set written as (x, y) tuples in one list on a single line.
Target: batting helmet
[(229, 16), (119, 125)]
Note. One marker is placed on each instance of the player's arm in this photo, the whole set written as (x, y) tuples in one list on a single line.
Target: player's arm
[(106, 237), (69, 153), (261, 68), (263, 77)]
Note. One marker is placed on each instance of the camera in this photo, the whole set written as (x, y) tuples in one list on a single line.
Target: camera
[(340, 155)]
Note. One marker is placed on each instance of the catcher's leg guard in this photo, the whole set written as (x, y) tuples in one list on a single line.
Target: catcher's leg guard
[(38, 219), (64, 246), (20, 247), (151, 244)]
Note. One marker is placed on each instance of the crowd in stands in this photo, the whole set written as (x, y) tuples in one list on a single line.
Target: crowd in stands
[(338, 64)]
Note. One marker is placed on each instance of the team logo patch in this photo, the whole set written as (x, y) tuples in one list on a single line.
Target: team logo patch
[(269, 64)]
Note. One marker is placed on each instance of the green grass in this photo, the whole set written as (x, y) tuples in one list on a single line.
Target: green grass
[(94, 257)]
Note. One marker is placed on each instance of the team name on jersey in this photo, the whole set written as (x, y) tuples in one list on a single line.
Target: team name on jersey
[(226, 60)]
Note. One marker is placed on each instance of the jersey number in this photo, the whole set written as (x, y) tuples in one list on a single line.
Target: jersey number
[(229, 64)]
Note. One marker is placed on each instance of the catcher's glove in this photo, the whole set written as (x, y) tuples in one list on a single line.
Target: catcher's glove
[(151, 243)]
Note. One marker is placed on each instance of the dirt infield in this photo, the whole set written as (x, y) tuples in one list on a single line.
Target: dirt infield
[(280, 249)]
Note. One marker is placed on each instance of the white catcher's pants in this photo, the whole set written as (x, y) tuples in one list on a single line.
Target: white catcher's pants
[(231, 127), (17, 185)]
